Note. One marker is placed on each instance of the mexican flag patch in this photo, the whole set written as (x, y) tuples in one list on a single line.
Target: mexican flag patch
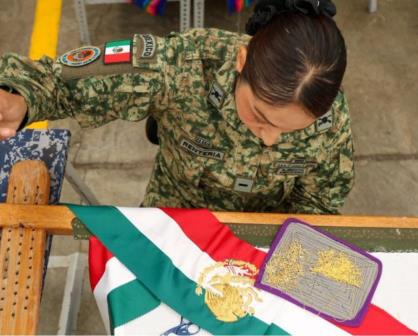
[(118, 52)]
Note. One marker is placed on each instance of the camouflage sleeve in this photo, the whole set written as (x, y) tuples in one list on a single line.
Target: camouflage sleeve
[(37, 83), (325, 189), (92, 94)]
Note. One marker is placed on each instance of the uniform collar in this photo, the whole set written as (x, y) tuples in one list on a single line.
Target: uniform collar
[(319, 126), (222, 96)]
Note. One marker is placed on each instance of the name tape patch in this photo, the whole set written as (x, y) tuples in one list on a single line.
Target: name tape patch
[(195, 149), (145, 46), (203, 142), (148, 49), (294, 167)]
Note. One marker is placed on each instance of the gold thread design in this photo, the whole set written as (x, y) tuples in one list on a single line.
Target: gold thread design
[(228, 289), (284, 269), (338, 266)]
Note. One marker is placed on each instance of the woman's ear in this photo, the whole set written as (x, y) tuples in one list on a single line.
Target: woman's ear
[(241, 58)]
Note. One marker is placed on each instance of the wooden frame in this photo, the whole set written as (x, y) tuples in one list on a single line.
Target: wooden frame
[(56, 219), (22, 251)]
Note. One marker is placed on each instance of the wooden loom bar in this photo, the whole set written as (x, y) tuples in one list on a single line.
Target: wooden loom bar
[(57, 219), (320, 220), (22, 253)]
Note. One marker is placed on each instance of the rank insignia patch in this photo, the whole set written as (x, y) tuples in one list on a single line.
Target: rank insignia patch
[(118, 52), (243, 184), (324, 122), (216, 95), (81, 56)]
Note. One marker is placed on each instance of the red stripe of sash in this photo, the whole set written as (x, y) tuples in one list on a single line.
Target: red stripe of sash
[(98, 257)]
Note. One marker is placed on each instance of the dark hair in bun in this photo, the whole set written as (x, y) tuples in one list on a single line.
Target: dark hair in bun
[(266, 10), (297, 54)]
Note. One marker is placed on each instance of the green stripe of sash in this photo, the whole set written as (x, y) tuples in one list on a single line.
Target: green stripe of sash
[(157, 272), (128, 302)]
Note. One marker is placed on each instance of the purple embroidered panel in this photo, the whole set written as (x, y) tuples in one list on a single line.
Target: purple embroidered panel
[(320, 273)]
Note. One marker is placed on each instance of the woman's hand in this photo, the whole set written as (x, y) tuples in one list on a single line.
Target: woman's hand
[(12, 112)]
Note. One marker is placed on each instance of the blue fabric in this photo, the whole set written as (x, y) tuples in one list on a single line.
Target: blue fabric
[(49, 146)]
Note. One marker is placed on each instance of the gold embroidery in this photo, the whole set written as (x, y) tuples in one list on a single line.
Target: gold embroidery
[(229, 289), (285, 268), (338, 266)]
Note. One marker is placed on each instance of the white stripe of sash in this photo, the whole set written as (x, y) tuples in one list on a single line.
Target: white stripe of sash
[(397, 291), (115, 275)]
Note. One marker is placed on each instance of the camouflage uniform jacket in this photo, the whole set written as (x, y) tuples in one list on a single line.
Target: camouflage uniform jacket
[(208, 158)]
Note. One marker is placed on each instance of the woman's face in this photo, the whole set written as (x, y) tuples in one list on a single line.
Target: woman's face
[(267, 121)]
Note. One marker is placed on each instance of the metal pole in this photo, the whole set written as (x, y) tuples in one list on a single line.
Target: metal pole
[(199, 13), (185, 6), (372, 6), (76, 264), (80, 11)]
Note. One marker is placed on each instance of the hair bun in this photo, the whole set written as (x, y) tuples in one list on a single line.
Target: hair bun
[(260, 18), (265, 10)]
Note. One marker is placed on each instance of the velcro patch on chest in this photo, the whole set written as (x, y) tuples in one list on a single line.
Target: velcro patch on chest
[(294, 167), (243, 184)]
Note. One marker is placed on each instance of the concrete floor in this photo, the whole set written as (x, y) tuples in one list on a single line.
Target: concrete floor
[(381, 85)]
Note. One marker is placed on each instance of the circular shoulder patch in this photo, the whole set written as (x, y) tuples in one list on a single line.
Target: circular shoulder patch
[(81, 56)]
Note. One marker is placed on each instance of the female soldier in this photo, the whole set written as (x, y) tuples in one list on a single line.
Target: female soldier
[(245, 124)]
